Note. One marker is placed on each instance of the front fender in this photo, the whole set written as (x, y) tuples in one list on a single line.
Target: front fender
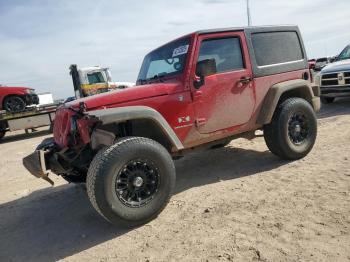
[(122, 114), (12, 93)]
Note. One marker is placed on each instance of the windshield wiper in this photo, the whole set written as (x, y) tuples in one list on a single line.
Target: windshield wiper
[(158, 77), (142, 81)]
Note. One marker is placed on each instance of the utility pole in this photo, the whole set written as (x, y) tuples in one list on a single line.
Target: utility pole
[(248, 14)]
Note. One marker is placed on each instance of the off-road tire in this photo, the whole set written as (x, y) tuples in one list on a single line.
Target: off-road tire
[(327, 100), (277, 134), (14, 104), (102, 178)]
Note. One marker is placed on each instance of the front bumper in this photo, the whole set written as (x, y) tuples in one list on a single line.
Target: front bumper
[(335, 91), (32, 99), (49, 158), (35, 163)]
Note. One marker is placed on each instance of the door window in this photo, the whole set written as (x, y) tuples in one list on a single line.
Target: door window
[(227, 53)]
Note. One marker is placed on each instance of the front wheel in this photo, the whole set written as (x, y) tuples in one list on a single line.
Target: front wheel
[(293, 130), (130, 182)]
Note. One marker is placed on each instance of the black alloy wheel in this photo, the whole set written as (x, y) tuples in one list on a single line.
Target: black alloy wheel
[(137, 183), (298, 128)]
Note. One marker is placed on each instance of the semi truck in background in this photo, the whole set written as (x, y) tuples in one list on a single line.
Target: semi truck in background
[(94, 80), (87, 81)]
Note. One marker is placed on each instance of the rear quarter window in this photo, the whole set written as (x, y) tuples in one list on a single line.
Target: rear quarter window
[(272, 48)]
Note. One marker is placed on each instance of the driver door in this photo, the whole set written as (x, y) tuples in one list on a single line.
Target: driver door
[(226, 98)]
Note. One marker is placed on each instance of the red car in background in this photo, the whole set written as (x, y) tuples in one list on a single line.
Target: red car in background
[(16, 99)]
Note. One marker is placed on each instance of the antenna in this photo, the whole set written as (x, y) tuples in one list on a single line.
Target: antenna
[(248, 14)]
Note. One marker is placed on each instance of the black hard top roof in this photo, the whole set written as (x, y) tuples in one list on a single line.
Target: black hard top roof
[(248, 28)]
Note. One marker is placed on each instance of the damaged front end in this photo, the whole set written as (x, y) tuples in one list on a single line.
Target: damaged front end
[(68, 153), (35, 163)]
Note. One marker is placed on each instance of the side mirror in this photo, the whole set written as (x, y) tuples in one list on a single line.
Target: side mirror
[(204, 68), (333, 59)]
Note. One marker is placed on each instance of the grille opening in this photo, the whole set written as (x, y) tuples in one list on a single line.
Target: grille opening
[(324, 92), (330, 76), (330, 83)]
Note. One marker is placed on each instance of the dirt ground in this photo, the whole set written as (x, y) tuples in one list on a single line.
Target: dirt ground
[(238, 203)]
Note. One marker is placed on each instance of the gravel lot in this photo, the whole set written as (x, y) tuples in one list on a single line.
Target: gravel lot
[(238, 203)]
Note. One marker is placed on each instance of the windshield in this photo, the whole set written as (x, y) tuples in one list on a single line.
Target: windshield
[(167, 60), (321, 60), (95, 78), (345, 54)]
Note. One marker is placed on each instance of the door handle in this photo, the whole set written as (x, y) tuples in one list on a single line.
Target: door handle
[(245, 79), (200, 122), (197, 94)]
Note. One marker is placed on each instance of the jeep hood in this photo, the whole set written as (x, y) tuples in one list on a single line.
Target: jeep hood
[(113, 98), (335, 67)]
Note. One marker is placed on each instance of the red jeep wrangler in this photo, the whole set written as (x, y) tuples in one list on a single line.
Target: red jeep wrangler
[(199, 91)]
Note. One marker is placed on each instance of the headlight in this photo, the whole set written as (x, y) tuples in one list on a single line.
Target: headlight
[(318, 79), (30, 91)]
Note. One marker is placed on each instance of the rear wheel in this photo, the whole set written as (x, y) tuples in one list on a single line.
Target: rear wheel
[(293, 130), (14, 104), (327, 100), (130, 182)]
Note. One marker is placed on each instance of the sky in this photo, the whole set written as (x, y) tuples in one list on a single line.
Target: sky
[(40, 39)]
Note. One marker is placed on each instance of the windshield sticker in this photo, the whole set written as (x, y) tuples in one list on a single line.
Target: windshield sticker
[(180, 50)]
